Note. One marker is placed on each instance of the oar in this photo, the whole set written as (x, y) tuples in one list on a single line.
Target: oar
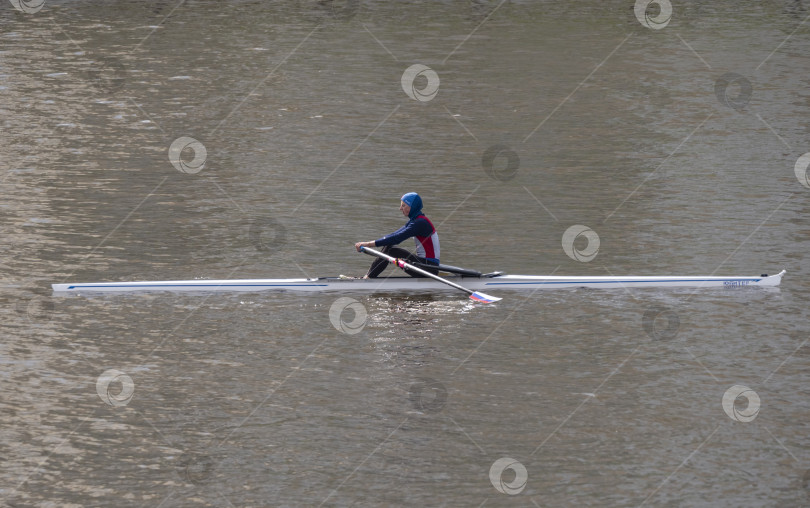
[(474, 295)]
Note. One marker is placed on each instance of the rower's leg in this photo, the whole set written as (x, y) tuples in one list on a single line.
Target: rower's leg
[(415, 259), (410, 257), (380, 264), (377, 266)]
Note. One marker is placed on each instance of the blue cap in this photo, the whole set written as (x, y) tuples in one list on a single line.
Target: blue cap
[(410, 197), (413, 200)]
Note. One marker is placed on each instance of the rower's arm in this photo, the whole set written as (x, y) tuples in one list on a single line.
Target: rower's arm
[(403, 233)]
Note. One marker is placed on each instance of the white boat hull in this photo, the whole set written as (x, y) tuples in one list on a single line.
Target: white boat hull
[(508, 282)]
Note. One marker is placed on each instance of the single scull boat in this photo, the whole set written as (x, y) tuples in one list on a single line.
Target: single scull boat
[(492, 281)]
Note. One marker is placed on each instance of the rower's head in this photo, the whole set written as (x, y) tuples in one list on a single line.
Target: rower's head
[(411, 205)]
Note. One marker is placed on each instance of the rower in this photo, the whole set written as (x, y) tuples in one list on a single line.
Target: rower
[(419, 228)]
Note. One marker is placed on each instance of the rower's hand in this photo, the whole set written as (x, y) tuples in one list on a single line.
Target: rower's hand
[(358, 245)]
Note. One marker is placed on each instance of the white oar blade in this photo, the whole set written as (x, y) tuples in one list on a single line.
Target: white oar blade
[(484, 298)]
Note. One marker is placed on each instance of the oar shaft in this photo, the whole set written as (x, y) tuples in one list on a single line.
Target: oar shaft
[(403, 264)]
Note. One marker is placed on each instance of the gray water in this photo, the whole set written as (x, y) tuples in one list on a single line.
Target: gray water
[(547, 115)]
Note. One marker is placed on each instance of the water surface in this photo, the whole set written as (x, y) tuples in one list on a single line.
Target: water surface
[(603, 397)]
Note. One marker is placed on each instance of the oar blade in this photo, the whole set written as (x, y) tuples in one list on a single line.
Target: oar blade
[(484, 298)]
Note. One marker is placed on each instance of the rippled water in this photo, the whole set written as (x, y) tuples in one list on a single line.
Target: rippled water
[(676, 145)]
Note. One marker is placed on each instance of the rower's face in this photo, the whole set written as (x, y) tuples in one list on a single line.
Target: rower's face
[(405, 209)]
